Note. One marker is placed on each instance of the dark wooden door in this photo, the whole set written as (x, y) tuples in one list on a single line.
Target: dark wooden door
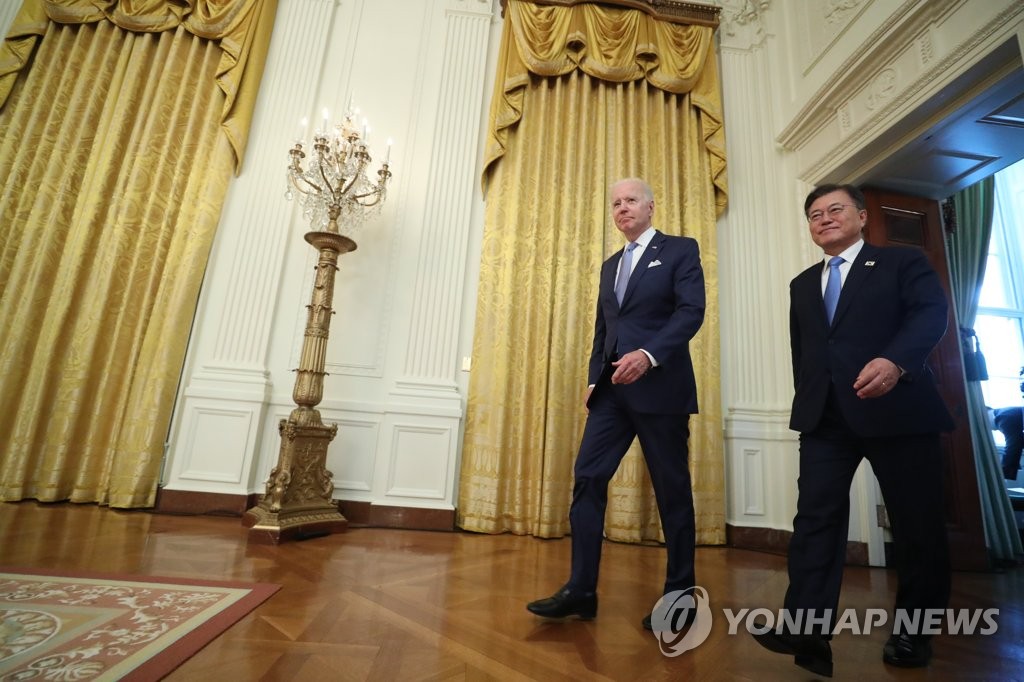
[(899, 219)]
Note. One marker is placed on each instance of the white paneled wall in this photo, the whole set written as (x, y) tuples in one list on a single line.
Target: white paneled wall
[(759, 239), (7, 12), (419, 73)]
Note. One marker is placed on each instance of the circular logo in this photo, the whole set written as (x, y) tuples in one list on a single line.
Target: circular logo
[(681, 620)]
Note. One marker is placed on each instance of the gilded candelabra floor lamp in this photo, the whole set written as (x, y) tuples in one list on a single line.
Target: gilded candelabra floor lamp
[(336, 196)]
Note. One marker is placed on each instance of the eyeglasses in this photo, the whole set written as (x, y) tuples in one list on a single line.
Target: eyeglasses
[(833, 211)]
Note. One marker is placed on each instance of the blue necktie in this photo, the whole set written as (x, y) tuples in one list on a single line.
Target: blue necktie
[(625, 266), (832, 287)]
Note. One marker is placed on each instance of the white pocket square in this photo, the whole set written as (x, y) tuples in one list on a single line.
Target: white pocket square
[(654, 264)]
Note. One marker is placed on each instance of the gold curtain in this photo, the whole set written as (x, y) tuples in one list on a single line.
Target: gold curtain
[(113, 181), (584, 95)]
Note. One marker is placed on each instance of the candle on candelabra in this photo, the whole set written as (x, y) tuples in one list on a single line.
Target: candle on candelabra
[(333, 184), (387, 154)]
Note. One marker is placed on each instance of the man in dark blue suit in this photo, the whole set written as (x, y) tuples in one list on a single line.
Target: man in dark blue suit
[(861, 327), (641, 385)]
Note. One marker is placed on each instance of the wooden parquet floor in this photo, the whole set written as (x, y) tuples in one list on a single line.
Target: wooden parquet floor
[(379, 604)]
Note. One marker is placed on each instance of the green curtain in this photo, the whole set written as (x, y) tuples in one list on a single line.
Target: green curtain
[(967, 249)]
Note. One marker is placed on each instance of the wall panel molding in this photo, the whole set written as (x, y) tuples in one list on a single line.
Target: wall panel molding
[(431, 354)]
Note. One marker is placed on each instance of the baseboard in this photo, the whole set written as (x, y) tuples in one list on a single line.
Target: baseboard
[(371, 515), (190, 502), (358, 514), (776, 541)]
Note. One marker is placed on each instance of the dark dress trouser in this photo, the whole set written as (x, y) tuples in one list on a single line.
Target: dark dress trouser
[(909, 473), (610, 429)]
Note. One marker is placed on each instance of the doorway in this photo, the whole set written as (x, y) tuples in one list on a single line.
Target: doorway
[(980, 133)]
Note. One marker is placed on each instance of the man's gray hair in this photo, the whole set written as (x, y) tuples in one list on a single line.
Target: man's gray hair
[(648, 192)]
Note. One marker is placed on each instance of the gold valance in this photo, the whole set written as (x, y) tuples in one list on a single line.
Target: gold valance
[(242, 28), (614, 44), (676, 11)]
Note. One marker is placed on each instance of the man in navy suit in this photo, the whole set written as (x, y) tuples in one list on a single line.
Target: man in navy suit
[(861, 328), (641, 385)]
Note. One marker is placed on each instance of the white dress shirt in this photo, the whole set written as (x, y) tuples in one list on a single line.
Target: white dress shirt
[(641, 243), (848, 257)]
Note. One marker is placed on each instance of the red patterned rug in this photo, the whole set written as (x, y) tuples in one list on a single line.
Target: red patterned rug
[(93, 626)]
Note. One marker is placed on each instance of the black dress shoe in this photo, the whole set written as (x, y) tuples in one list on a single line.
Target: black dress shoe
[(904, 651), (564, 603), (676, 624), (810, 652)]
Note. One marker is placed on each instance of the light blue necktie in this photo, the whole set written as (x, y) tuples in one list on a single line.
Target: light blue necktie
[(832, 287), (625, 266)]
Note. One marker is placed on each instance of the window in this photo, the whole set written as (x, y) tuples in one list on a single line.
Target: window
[(1000, 321)]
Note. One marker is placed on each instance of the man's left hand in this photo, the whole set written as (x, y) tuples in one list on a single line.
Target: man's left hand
[(630, 367), (877, 378)]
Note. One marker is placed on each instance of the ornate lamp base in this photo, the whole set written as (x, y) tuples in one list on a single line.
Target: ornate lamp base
[(298, 503)]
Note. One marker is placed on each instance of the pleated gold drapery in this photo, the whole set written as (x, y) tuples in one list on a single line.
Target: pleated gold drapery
[(113, 174), (584, 95)]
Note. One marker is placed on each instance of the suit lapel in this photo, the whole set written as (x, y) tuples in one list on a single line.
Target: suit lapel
[(860, 270), (650, 254)]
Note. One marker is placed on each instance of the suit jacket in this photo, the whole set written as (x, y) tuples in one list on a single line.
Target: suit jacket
[(891, 306), (662, 309)]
